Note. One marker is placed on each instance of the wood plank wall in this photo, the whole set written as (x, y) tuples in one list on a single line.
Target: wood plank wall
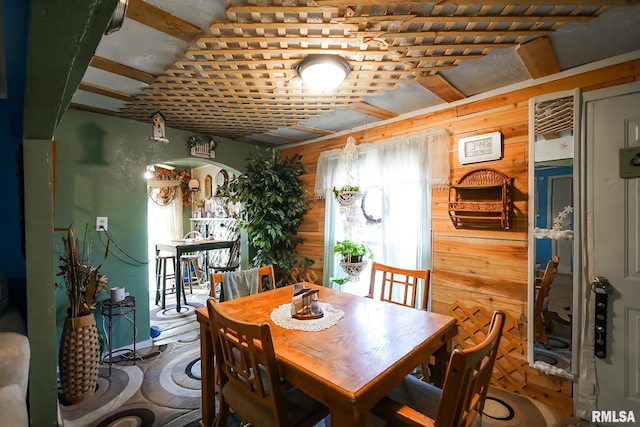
[(473, 267)]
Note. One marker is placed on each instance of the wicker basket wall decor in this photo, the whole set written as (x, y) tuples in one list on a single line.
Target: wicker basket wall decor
[(79, 358)]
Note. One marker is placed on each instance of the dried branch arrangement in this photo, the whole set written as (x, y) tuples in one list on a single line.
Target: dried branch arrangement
[(83, 283)]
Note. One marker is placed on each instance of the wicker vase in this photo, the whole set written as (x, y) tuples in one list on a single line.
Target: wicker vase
[(79, 358)]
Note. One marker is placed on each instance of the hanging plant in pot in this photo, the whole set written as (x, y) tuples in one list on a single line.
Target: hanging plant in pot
[(79, 356), (347, 197), (355, 257), (347, 194)]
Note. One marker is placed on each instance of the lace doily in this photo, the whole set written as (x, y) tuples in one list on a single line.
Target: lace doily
[(281, 316)]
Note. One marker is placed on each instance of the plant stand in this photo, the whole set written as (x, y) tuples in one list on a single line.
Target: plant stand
[(348, 201), (353, 269), (79, 358)]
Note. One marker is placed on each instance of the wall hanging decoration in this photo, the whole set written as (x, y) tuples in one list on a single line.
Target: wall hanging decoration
[(202, 146), (372, 205), (158, 134), (222, 183), (481, 200), (480, 148), (559, 231), (349, 194), (208, 187)]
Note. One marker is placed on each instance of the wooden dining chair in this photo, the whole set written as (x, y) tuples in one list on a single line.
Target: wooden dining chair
[(233, 262), (250, 381), (461, 399), (541, 315), (400, 285), (265, 277)]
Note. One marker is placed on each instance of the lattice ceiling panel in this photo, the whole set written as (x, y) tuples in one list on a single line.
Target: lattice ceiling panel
[(241, 78)]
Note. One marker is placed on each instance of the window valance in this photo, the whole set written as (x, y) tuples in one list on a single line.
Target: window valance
[(431, 148)]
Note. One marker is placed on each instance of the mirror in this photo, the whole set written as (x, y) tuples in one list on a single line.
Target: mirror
[(552, 304)]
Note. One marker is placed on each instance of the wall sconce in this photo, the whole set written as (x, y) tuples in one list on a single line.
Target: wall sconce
[(323, 72), (150, 173)]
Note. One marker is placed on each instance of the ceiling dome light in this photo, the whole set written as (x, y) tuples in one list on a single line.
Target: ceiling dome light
[(323, 72)]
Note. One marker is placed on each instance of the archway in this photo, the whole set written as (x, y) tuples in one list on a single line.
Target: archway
[(192, 208)]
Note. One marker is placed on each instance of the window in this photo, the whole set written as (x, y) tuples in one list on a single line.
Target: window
[(405, 169)]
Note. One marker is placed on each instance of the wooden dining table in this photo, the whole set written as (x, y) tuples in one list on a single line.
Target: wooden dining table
[(349, 366)]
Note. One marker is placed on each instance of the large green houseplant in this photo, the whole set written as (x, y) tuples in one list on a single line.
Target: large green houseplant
[(273, 204)]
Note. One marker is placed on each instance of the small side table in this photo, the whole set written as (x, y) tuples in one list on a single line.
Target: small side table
[(120, 308)]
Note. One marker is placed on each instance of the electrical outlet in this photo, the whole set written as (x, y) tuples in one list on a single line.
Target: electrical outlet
[(102, 223)]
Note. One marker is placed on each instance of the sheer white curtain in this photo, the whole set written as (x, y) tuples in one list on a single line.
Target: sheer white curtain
[(164, 223), (406, 168)]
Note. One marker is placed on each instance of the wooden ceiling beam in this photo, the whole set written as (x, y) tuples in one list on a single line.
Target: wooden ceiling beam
[(160, 20), (92, 109), (440, 87), (538, 57), (100, 90), (372, 110), (310, 129), (286, 138), (122, 70)]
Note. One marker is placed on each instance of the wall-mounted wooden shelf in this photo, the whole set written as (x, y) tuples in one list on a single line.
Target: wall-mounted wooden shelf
[(481, 200)]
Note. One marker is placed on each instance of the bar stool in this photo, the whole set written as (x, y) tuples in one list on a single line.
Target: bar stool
[(191, 272), (189, 262), (162, 276)]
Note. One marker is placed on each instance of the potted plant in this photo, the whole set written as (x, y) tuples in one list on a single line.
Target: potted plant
[(273, 202), (346, 188), (352, 252), (347, 194), (79, 356), (355, 257)]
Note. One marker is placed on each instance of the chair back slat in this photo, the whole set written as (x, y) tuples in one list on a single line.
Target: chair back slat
[(265, 273), (468, 377), (400, 286)]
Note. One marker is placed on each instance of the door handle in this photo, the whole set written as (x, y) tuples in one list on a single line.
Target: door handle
[(602, 288)]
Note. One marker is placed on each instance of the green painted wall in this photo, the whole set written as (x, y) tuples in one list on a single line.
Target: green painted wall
[(100, 162), (38, 167)]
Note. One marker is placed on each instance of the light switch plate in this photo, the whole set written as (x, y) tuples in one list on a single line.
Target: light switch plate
[(630, 162)]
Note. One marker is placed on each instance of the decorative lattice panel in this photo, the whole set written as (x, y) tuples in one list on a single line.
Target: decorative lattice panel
[(239, 78), (473, 325)]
